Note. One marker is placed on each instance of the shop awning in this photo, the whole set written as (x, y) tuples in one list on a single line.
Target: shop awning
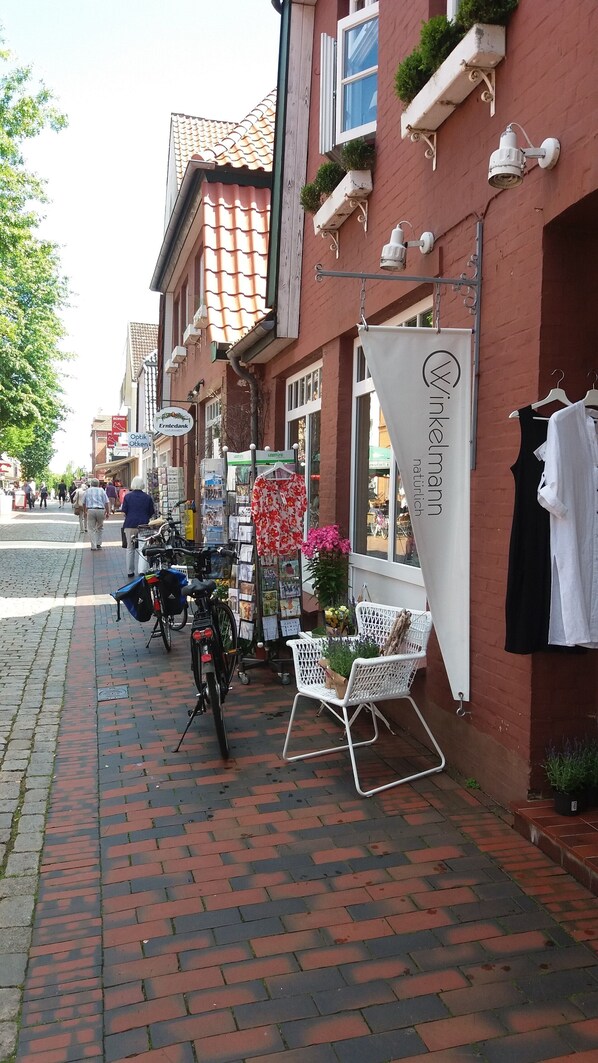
[(114, 466)]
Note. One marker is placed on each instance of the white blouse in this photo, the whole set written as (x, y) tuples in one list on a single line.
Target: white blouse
[(569, 491)]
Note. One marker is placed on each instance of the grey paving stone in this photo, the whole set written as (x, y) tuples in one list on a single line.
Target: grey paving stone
[(8, 1039), (16, 911), (19, 864), (15, 939), (12, 969), (10, 1000)]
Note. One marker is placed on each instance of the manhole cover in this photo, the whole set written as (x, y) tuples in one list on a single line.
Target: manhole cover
[(112, 693)]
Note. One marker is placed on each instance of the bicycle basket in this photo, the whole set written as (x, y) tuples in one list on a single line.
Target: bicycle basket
[(137, 597), (171, 582)]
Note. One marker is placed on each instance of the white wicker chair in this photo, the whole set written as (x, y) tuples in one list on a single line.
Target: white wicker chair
[(370, 682)]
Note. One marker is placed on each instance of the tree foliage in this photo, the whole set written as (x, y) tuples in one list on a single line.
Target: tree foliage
[(32, 288)]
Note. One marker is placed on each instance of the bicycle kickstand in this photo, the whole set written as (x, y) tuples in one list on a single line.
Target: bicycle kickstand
[(197, 711)]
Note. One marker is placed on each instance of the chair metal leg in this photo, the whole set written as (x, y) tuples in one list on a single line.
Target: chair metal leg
[(342, 716)]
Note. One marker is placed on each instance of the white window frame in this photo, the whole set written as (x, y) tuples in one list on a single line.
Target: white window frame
[(387, 567), (365, 14), (294, 410), (213, 419)]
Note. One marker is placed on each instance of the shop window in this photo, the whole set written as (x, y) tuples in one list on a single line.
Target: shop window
[(381, 526), (349, 77), (213, 429), (303, 416)]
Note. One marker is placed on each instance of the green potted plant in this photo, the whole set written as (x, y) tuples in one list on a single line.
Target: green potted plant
[(591, 770), (358, 154), (329, 175), (327, 563), (566, 770), (310, 198), (339, 655), (439, 36), (490, 12)]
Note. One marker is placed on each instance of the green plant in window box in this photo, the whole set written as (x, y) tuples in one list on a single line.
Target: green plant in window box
[(439, 36), (329, 175), (310, 198), (491, 12), (358, 154)]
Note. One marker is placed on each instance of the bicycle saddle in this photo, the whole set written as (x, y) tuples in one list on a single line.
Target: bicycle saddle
[(198, 586)]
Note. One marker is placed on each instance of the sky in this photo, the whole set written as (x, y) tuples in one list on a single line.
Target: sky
[(118, 69)]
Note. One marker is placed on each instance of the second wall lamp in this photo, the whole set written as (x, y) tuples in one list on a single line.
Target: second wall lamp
[(507, 163), (394, 253)]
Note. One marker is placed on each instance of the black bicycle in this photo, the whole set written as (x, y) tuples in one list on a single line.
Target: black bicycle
[(162, 559), (213, 645)]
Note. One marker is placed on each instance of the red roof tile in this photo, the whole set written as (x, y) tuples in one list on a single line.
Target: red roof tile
[(194, 136), (236, 225), (251, 142)]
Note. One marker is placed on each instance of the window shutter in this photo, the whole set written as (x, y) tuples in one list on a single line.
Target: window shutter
[(327, 93)]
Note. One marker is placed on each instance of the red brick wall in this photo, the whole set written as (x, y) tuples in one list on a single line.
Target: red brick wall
[(538, 297)]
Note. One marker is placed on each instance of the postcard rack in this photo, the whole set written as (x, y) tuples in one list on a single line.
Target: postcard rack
[(265, 591)]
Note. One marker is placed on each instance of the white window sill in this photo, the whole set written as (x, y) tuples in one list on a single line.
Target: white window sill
[(348, 196), (470, 65)]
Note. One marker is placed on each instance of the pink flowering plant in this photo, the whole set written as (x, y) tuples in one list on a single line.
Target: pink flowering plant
[(327, 561)]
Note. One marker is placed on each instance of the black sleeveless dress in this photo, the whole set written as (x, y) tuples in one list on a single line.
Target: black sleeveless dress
[(527, 607)]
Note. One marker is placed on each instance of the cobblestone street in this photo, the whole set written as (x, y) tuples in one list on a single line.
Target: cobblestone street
[(171, 908)]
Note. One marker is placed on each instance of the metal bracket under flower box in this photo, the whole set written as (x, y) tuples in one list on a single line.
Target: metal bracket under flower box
[(474, 59), (351, 194)]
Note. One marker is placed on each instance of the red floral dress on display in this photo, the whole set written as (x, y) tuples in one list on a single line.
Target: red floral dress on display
[(277, 509)]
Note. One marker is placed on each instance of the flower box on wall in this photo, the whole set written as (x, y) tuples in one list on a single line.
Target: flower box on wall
[(353, 190), (481, 50)]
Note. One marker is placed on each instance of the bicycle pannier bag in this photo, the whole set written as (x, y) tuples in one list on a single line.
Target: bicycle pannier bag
[(171, 583), (137, 597)]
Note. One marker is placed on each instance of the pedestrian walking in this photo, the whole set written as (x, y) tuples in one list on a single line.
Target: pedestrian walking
[(112, 492), (43, 496), (79, 507), (96, 508), (61, 494), (138, 508), (72, 489), (29, 494)]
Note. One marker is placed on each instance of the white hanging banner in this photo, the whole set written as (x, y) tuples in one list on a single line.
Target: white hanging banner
[(423, 383)]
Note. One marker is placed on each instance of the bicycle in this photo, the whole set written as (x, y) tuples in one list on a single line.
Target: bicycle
[(168, 530), (213, 646), (160, 559)]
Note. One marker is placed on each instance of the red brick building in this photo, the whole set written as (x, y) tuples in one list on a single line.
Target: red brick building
[(535, 316)]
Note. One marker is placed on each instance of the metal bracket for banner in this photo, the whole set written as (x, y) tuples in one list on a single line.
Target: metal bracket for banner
[(471, 289)]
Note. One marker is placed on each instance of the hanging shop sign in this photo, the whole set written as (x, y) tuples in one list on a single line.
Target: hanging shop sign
[(173, 421), (140, 439), (119, 423), (428, 422)]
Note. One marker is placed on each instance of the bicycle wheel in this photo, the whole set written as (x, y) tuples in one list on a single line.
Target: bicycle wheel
[(228, 635), (179, 621), (163, 621), (216, 703)]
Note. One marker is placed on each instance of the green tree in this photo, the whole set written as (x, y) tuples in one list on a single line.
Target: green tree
[(32, 288)]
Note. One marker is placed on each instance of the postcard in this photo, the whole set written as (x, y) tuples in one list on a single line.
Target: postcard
[(290, 627), (233, 527), (270, 628), (269, 603), (290, 607), (246, 610), (246, 630), (269, 577), (246, 572), (245, 533), (246, 552), (289, 588), (289, 568), (246, 589)]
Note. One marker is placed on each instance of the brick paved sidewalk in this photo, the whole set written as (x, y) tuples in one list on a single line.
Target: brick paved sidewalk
[(258, 911)]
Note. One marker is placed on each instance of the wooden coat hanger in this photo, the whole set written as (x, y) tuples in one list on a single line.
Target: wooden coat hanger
[(554, 395)]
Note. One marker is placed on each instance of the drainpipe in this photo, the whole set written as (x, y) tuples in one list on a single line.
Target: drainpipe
[(235, 361)]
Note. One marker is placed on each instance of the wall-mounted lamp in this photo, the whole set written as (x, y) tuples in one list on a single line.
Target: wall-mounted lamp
[(394, 254), (192, 396), (507, 163)]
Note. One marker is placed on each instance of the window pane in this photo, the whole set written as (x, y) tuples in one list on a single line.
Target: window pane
[(359, 102), (360, 48), (370, 532), (405, 548)]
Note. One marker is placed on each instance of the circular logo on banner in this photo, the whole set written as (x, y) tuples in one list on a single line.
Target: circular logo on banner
[(441, 370), (173, 421)]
